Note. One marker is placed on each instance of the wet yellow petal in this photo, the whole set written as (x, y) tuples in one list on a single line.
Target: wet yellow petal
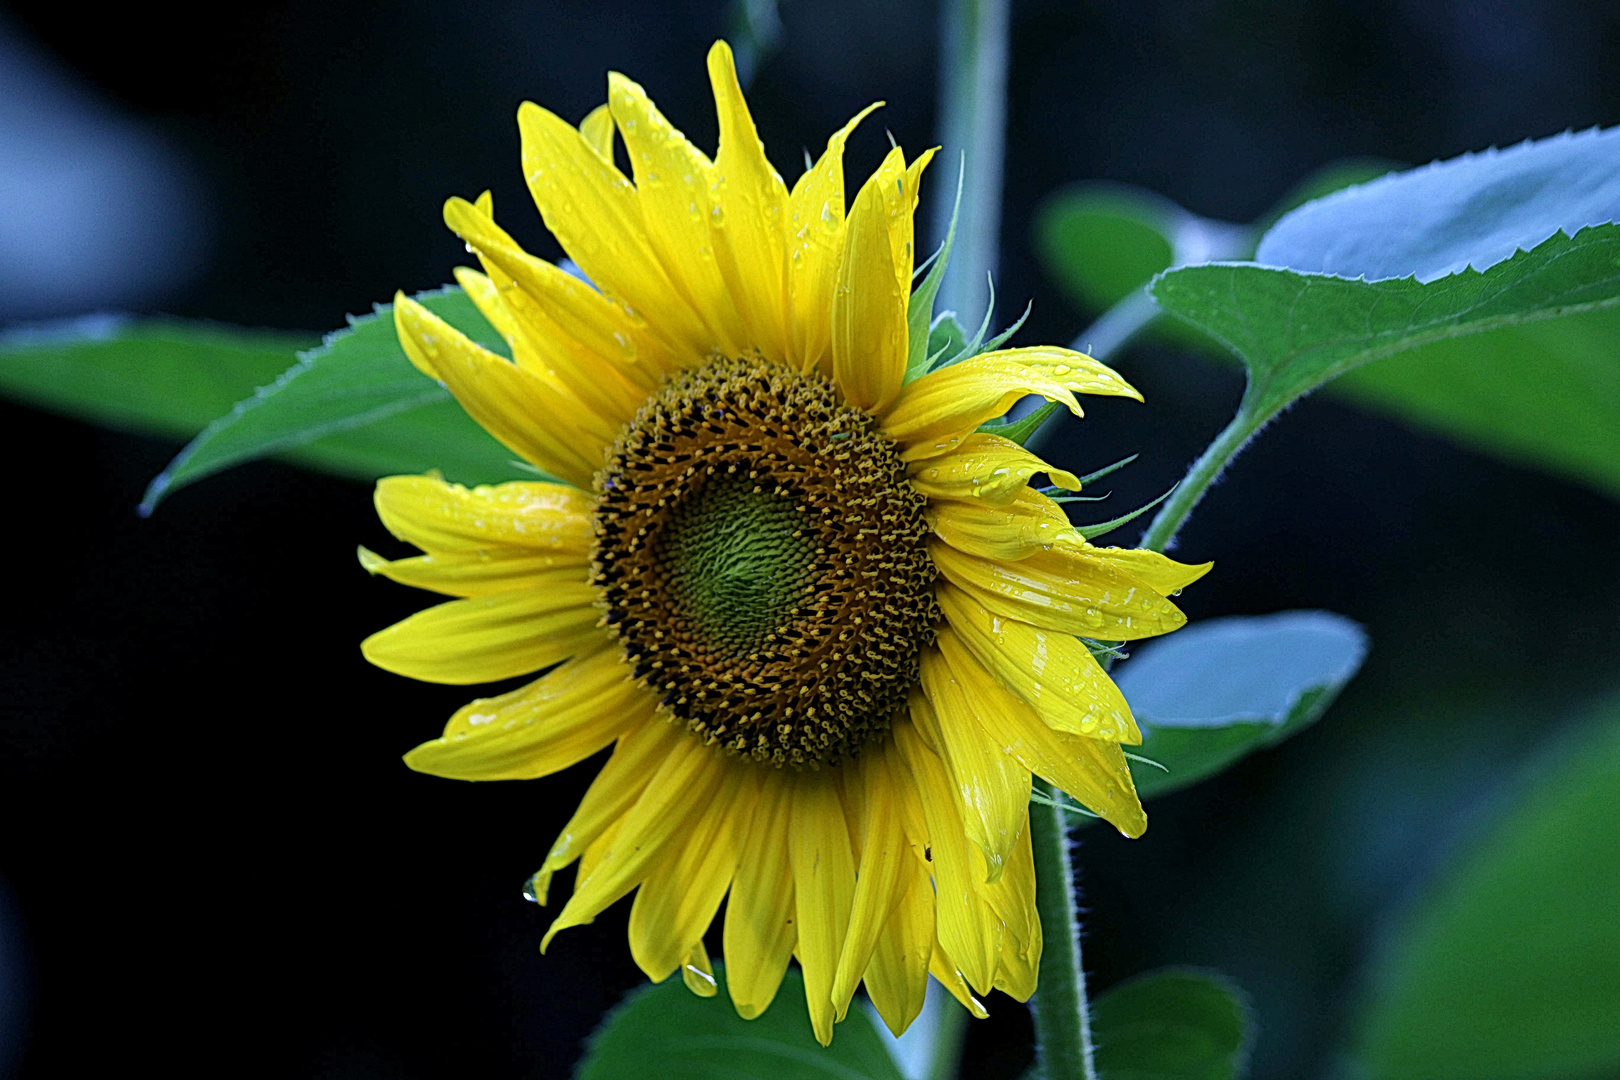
[(594, 213), (698, 974), (815, 251), (485, 638), (1162, 574), (597, 127), (759, 932), (1053, 672), (522, 517), (478, 573), (1012, 899), (943, 968), (823, 890), (869, 332), (559, 719), (510, 403), (750, 214), (897, 977), (1029, 523), (986, 468), (1063, 589), (884, 855), (990, 788), (677, 901), (674, 180), (936, 412), (959, 912), (669, 808)]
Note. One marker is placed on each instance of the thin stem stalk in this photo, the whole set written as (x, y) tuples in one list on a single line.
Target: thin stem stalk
[(1204, 472), (1063, 1049)]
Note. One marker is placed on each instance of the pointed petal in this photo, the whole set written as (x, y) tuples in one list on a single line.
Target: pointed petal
[(991, 789), (869, 331), (698, 974), (1029, 523), (510, 403), (936, 412), (1053, 672), (1163, 575), (984, 468), (486, 638), (597, 128), (760, 932), (522, 517), (943, 968), (1063, 589), (879, 882), (897, 977), (477, 573), (751, 224), (1012, 899), (560, 719), (823, 890)]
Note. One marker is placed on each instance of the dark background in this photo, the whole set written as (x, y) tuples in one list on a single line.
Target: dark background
[(213, 860)]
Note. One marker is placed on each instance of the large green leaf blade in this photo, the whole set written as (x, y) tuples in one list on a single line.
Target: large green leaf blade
[(1172, 1025), (669, 1032), (356, 405), (1509, 969), (1218, 690)]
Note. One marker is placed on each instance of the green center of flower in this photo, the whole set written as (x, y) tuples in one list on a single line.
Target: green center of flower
[(763, 559)]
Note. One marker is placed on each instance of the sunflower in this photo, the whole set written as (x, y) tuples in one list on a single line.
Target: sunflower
[(822, 619)]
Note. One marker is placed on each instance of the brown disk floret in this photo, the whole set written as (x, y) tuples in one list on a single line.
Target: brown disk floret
[(762, 557)]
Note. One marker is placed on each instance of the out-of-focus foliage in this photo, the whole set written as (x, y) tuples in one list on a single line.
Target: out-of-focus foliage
[(667, 1031), (1222, 688), (1509, 969), (1172, 1025)]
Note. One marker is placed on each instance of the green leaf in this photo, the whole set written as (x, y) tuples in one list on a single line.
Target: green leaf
[(1102, 242), (1216, 691), (1172, 1025), (1474, 211), (1296, 331), (920, 309), (1509, 968), (669, 1032), (357, 406), (157, 376)]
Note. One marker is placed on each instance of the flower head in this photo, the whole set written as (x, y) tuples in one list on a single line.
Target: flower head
[(824, 622)]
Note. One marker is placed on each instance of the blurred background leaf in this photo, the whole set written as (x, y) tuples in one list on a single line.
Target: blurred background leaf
[(665, 1030), (1220, 689), (1172, 1025), (1508, 968)]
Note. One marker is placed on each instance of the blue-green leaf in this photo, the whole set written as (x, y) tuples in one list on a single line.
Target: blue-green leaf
[(1509, 968), (1474, 211), (358, 406), (668, 1032), (1172, 1025), (1215, 691)]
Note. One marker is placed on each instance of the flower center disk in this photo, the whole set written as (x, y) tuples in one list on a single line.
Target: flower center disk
[(763, 560)]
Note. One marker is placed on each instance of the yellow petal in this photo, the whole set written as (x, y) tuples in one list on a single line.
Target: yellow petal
[(698, 974), (897, 977), (510, 403), (673, 182), (884, 855), (823, 890), (815, 251), (1031, 522), (485, 638), (683, 890), (1053, 672), (759, 932), (749, 215), (1012, 899), (597, 127), (669, 808), (1163, 575), (935, 413), (559, 719), (869, 332), (990, 788), (518, 518), (1064, 589), (943, 968), (594, 213), (478, 573), (986, 468), (959, 911)]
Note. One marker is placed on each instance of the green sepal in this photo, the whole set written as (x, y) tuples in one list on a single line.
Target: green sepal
[(1091, 532), (1021, 430), (920, 321)]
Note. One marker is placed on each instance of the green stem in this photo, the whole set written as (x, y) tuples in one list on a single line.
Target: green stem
[(1062, 1014), (1204, 472), (973, 117)]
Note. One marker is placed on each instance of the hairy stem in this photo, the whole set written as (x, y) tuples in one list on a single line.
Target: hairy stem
[(1062, 1014), (1204, 472)]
